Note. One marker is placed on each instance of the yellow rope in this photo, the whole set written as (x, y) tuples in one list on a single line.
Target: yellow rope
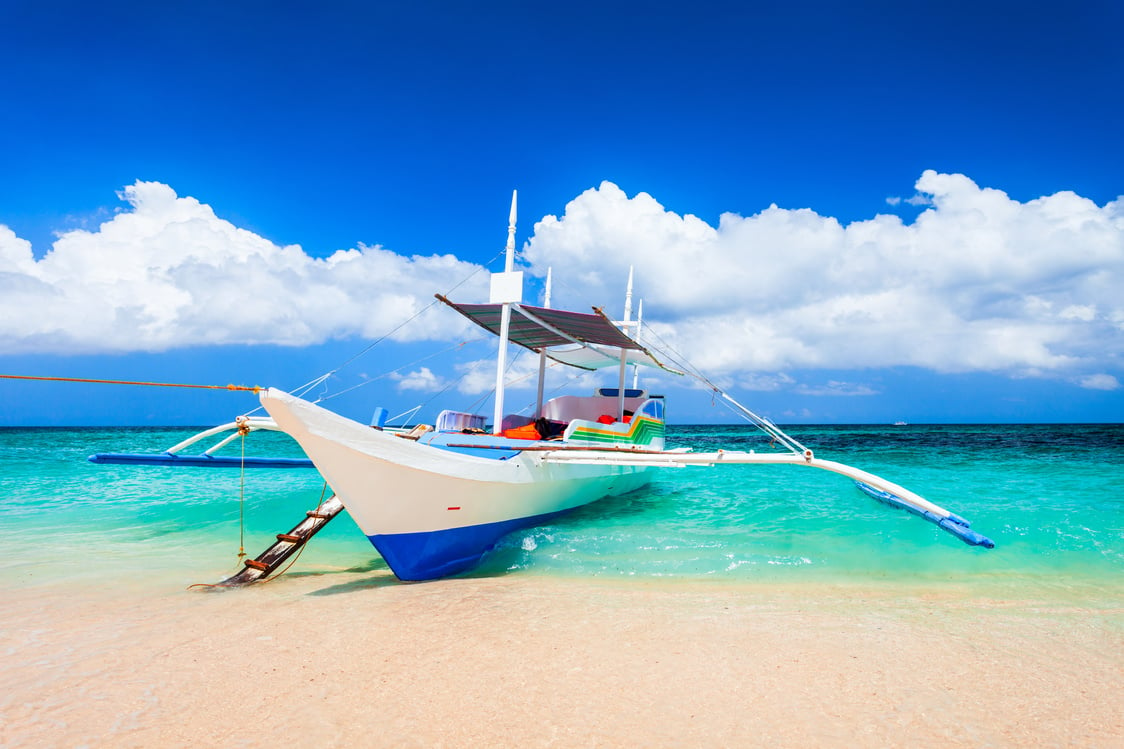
[(304, 545), (242, 499)]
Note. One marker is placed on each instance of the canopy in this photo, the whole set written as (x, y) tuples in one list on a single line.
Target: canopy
[(540, 328), (595, 357)]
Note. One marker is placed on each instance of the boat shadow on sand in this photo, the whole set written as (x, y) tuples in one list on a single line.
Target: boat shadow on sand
[(375, 574)]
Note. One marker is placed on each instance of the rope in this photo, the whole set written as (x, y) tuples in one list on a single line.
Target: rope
[(251, 388), (413, 317), (765, 425), (275, 575), (407, 412), (397, 369), (243, 430), (511, 364)]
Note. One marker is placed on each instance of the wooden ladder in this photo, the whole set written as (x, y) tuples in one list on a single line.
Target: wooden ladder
[(286, 545)]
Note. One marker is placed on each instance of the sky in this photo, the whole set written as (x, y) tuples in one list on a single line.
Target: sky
[(839, 212)]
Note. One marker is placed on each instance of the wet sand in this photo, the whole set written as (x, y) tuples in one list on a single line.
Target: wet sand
[(356, 659)]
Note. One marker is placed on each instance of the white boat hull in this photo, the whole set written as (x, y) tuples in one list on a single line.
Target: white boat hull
[(432, 512)]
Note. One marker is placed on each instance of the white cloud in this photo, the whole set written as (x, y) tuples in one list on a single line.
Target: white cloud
[(1099, 382), (836, 388), (170, 273), (421, 379), (1082, 312), (479, 376), (979, 282), (764, 382)]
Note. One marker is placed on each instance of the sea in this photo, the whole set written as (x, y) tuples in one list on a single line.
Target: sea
[(1048, 495)]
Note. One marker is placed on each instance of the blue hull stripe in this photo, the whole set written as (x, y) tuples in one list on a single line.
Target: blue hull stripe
[(433, 554)]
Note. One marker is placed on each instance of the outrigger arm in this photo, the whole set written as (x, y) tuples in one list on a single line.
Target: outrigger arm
[(875, 486), (173, 455)]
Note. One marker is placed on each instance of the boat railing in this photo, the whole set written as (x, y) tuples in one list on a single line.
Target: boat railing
[(456, 421), (568, 408)]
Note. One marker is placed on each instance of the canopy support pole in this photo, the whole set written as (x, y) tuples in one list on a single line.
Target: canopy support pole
[(542, 351), (624, 353), (636, 367)]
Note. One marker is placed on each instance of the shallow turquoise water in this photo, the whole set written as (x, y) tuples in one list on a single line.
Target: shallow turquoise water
[(1046, 494)]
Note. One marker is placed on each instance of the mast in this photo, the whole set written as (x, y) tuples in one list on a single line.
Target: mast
[(624, 352), (542, 351), (507, 288)]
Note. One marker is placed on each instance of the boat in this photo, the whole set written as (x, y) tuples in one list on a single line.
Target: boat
[(433, 501)]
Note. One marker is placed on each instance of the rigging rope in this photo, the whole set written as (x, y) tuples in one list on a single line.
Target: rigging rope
[(246, 388), (462, 344), (300, 391), (413, 317), (507, 370), (407, 412), (765, 425)]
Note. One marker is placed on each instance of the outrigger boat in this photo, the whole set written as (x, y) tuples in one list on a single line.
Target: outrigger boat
[(433, 501)]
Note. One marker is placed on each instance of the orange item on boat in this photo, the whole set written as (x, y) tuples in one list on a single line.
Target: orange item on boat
[(525, 432), (605, 419)]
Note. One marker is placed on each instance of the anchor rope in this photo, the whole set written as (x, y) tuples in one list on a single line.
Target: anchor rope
[(275, 575), (323, 491), (243, 430)]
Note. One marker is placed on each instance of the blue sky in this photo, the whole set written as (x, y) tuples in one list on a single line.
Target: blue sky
[(176, 179)]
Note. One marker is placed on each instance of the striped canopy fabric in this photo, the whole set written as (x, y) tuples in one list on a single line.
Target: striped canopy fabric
[(582, 334), (539, 327)]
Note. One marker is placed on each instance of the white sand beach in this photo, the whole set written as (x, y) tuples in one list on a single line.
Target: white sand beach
[(358, 659)]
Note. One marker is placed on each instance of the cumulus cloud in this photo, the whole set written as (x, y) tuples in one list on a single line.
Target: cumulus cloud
[(978, 282), (421, 379), (836, 388), (1099, 382), (168, 272), (479, 376), (763, 382)]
